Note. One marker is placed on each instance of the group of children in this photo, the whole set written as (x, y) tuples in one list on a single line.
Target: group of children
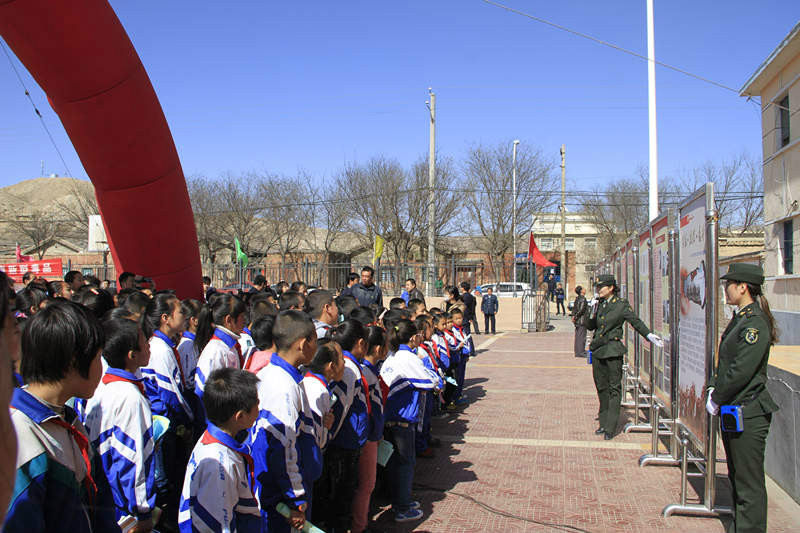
[(254, 412)]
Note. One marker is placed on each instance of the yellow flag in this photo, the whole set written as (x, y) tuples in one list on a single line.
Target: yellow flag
[(378, 249)]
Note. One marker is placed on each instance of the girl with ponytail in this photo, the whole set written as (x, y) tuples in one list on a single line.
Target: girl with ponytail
[(219, 325)]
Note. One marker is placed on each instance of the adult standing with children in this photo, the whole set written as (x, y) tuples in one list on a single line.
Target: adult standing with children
[(366, 292), (607, 317), (740, 381)]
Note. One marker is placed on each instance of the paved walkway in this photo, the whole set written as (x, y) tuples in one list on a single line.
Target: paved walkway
[(523, 456)]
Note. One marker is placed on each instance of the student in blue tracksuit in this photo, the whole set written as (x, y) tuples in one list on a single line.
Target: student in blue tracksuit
[(60, 484), (461, 334), (164, 387), (427, 353), (120, 424), (368, 459), (283, 414), (219, 490), (335, 489), (406, 377), (326, 367)]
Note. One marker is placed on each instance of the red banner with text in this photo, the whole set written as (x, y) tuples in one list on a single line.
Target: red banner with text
[(48, 269)]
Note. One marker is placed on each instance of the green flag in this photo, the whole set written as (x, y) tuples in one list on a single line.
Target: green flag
[(241, 257)]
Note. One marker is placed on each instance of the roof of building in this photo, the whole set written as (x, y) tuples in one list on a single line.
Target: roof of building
[(788, 48)]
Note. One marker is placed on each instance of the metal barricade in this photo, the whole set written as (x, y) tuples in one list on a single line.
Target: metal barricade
[(535, 311)]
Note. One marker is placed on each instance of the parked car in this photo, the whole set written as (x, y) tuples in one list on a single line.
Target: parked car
[(505, 289)]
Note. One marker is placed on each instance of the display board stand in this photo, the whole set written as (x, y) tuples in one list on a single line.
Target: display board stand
[(707, 507)]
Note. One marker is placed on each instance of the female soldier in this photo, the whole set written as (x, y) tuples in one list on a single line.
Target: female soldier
[(606, 318), (579, 310), (741, 379)]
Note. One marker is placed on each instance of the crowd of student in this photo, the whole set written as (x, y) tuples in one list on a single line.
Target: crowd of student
[(248, 412)]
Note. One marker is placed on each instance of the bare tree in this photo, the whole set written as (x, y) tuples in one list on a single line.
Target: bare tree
[(206, 207), (738, 191), (241, 201), (448, 201), (75, 209), (488, 171), (41, 227), (328, 215), (284, 216)]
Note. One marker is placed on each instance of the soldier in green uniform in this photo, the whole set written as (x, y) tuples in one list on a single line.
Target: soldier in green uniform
[(741, 379), (607, 317)]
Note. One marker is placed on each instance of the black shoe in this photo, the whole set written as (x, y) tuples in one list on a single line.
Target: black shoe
[(598, 431), (608, 436)]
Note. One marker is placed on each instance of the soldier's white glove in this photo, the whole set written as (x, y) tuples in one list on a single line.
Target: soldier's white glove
[(655, 339), (711, 407), (593, 302)]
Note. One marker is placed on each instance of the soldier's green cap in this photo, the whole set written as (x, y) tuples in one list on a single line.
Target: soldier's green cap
[(744, 272), (605, 279)]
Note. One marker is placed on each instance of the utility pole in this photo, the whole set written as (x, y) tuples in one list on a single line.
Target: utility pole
[(431, 281), (514, 214), (651, 108), (563, 218)]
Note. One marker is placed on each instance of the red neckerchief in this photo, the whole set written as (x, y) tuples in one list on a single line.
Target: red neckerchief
[(177, 358), (363, 384), (110, 378), (433, 359), (208, 438), (310, 375), (83, 444), (384, 389), (236, 346)]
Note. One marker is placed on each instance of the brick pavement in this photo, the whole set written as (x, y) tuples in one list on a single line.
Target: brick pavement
[(523, 456)]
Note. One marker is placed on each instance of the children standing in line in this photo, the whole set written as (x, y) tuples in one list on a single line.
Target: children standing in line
[(60, 484), (120, 424), (218, 490), (427, 353), (335, 489), (465, 352), (283, 410), (368, 459), (326, 367), (406, 377)]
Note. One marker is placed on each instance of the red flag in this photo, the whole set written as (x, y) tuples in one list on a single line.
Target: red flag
[(535, 256), (22, 258)]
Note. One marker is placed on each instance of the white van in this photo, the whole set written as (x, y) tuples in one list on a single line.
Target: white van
[(506, 289)]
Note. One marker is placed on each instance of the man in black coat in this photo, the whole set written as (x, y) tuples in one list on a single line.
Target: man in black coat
[(367, 293), (469, 310)]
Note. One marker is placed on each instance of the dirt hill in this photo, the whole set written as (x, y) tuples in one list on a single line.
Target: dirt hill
[(41, 194)]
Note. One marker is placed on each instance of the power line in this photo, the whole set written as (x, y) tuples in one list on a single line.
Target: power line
[(35, 109), (610, 45)]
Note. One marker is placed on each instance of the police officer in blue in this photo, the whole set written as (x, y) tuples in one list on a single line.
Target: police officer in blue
[(740, 380), (607, 316)]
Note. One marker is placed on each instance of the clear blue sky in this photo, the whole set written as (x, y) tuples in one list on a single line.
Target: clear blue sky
[(280, 86)]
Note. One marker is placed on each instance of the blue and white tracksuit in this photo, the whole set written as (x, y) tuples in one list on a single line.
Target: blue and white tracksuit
[(314, 436), (52, 488), (187, 348), (407, 378), (442, 350), (321, 328), (283, 413), (217, 494), (165, 390), (246, 343), (466, 352), (351, 423), (220, 352), (120, 426), (371, 375), (427, 351)]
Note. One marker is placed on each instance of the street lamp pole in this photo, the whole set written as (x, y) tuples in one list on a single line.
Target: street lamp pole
[(514, 213), (430, 285)]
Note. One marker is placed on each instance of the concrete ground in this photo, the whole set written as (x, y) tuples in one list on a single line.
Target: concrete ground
[(522, 456)]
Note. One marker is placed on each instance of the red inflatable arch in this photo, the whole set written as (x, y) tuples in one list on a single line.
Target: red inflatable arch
[(80, 55)]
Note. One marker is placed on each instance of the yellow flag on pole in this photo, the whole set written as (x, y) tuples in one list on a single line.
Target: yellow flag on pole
[(378, 250)]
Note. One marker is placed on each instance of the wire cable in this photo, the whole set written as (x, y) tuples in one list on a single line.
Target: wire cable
[(35, 109), (565, 527), (610, 45)]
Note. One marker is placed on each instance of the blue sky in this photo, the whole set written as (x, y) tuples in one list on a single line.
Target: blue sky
[(283, 86)]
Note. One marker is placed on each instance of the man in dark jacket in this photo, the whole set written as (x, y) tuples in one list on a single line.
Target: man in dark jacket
[(489, 307), (469, 309), (367, 293), (413, 292)]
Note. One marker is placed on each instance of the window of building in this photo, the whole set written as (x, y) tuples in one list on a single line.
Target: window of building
[(546, 243), (569, 243), (788, 247), (783, 122), (590, 242)]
